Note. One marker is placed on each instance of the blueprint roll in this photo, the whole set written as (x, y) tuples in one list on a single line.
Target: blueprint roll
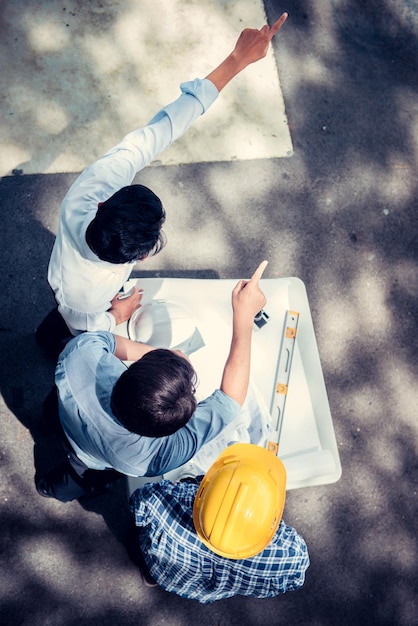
[(310, 465)]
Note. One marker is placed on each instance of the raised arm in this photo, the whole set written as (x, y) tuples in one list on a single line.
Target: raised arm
[(247, 301), (252, 45)]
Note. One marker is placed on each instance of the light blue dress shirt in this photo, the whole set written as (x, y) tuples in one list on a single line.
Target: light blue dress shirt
[(85, 375)]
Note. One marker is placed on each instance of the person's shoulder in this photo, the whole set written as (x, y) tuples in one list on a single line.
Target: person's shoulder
[(287, 538), (169, 487), (221, 398), (87, 343), (165, 499)]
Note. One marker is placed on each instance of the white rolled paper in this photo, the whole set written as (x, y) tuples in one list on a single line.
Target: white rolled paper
[(310, 465)]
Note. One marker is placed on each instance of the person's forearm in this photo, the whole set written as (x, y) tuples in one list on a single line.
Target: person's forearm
[(226, 71), (128, 350), (236, 372)]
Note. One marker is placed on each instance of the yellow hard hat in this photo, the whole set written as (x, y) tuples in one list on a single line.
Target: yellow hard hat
[(240, 501)]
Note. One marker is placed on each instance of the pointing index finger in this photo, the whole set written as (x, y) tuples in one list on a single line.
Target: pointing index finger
[(259, 271), (277, 25)]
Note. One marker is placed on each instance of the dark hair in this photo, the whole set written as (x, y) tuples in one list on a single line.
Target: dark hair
[(127, 226), (155, 397)]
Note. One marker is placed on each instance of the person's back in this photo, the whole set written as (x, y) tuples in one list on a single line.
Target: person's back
[(181, 562), (106, 420)]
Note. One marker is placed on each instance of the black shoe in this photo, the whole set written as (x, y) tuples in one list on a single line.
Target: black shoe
[(136, 556), (93, 492), (41, 489), (148, 579)]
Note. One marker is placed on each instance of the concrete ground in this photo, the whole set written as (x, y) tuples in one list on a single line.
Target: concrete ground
[(341, 214), (77, 77)]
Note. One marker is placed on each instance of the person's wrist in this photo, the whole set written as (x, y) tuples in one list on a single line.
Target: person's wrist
[(236, 62), (243, 324), (116, 315)]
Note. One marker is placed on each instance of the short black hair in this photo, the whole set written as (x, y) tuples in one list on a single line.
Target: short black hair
[(155, 397), (127, 226)]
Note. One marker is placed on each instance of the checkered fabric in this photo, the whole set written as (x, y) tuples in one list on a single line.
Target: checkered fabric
[(182, 564)]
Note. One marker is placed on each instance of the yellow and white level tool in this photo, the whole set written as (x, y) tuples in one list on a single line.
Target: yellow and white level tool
[(284, 365)]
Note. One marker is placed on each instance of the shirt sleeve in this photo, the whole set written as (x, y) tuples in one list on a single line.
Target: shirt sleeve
[(197, 96), (118, 167), (74, 373), (101, 342), (292, 557), (78, 321)]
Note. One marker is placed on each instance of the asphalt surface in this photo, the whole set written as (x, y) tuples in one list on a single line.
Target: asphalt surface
[(341, 214)]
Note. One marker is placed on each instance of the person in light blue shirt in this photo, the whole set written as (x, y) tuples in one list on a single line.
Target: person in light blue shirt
[(107, 224), (86, 375), (141, 420)]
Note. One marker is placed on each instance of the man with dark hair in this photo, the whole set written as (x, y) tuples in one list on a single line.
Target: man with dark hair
[(142, 420), (106, 224), (160, 387), (120, 233)]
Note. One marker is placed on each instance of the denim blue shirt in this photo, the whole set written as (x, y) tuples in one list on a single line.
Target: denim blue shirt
[(179, 561), (85, 375)]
